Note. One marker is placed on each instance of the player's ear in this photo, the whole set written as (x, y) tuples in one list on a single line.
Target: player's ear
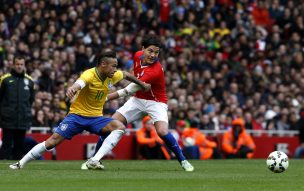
[(103, 63)]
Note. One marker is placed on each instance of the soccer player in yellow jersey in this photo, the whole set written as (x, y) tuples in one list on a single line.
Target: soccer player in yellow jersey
[(88, 95)]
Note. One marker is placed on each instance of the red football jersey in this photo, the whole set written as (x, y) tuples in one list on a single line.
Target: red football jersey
[(151, 74)]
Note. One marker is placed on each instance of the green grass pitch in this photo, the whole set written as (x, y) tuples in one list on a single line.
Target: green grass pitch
[(213, 175)]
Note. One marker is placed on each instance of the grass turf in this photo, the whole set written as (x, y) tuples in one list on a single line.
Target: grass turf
[(213, 175)]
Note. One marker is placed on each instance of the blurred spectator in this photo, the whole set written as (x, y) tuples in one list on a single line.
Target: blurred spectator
[(150, 144), (206, 123), (178, 132), (46, 80), (236, 142), (39, 120), (248, 120), (260, 13)]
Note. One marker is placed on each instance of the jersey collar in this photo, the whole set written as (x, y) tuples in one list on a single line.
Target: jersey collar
[(99, 76)]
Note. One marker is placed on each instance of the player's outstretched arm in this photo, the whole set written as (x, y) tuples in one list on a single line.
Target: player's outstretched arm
[(128, 90), (113, 96), (131, 78)]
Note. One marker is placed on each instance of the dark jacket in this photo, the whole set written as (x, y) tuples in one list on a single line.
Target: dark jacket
[(16, 98)]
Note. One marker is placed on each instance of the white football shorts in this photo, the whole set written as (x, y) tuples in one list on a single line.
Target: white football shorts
[(135, 108)]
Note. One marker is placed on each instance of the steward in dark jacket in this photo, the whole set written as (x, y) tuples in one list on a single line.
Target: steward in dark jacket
[(16, 98)]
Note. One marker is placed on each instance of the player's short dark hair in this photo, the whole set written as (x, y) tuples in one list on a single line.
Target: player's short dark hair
[(149, 40), (104, 55), (18, 57)]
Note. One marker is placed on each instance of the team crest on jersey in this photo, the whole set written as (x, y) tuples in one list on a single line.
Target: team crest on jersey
[(63, 126), (26, 82), (110, 85)]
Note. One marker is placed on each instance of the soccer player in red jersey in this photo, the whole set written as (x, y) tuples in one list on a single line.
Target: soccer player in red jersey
[(148, 69)]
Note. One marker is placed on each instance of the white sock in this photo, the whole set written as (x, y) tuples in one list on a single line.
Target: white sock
[(108, 144), (33, 154)]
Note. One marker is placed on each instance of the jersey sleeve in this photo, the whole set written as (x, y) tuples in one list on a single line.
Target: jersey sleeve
[(2, 78), (86, 76), (118, 76)]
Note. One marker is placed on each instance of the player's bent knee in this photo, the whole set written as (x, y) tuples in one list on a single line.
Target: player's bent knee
[(162, 131), (120, 126), (114, 125), (161, 128)]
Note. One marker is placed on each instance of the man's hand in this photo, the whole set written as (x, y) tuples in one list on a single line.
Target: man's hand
[(147, 87), (71, 91)]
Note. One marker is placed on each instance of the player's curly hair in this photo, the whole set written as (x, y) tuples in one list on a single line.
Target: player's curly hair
[(105, 55), (149, 40)]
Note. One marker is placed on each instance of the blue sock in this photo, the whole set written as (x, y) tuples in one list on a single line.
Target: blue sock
[(172, 144), (100, 141)]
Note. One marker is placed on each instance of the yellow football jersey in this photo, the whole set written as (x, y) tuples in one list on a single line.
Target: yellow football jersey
[(91, 98)]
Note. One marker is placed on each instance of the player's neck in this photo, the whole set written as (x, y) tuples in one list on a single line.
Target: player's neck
[(144, 63), (100, 76)]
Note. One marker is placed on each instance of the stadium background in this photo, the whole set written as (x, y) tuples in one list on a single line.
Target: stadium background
[(222, 58)]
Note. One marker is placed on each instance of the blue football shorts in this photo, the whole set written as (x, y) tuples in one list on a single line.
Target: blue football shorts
[(74, 124)]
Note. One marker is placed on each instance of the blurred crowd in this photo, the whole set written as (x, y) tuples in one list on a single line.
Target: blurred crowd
[(223, 59)]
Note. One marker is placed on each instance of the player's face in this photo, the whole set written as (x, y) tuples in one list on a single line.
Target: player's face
[(19, 66), (150, 54), (110, 67)]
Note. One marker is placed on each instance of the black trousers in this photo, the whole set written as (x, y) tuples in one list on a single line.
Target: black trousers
[(151, 152), (12, 144), (242, 153)]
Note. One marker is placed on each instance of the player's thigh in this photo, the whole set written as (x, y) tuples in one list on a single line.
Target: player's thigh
[(102, 125), (157, 111), (132, 110), (71, 126)]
